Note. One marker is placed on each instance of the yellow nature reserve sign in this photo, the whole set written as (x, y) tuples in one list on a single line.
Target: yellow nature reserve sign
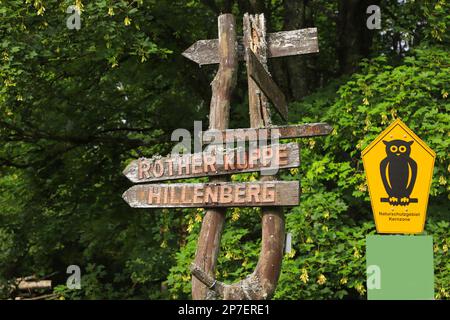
[(399, 168)]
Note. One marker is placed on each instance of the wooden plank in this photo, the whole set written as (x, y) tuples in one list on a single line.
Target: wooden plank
[(205, 52), (280, 44), (267, 85), (292, 43), (252, 134), (214, 163), (208, 195), (32, 285)]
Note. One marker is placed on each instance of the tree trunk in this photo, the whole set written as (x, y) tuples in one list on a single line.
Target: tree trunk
[(354, 39), (257, 6)]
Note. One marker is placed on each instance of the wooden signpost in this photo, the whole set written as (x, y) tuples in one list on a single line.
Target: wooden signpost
[(218, 162), (280, 44), (214, 163), (219, 194)]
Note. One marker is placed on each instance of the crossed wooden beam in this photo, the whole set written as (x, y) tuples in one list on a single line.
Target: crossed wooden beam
[(279, 44), (255, 47)]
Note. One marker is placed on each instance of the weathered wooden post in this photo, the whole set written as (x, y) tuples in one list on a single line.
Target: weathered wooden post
[(219, 115), (269, 264), (268, 193), (262, 282)]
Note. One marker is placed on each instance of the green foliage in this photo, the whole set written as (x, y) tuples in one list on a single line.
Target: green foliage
[(363, 106), (417, 92), (77, 106), (334, 217)]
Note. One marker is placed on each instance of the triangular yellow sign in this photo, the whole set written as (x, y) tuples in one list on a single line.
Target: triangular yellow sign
[(399, 168)]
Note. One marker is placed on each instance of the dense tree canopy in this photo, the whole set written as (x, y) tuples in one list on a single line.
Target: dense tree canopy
[(78, 105)]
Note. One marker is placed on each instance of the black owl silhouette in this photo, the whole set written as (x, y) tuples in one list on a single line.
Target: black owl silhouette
[(398, 172)]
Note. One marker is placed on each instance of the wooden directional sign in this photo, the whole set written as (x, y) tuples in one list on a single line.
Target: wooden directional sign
[(280, 44), (399, 168), (280, 132), (265, 82), (214, 162), (222, 194)]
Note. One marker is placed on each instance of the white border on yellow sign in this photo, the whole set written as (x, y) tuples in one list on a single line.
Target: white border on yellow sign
[(379, 139)]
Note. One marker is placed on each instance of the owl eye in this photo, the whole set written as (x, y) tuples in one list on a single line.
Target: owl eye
[(402, 149), (394, 149)]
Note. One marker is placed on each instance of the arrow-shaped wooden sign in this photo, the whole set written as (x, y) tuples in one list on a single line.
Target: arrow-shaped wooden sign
[(213, 163), (221, 194), (280, 44)]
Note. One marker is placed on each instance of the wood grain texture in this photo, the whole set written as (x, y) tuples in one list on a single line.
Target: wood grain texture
[(280, 44), (292, 43), (254, 29), (265, 82), (260, 284), (269, 133), (214, 163), (222, 86), (211, 195)]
